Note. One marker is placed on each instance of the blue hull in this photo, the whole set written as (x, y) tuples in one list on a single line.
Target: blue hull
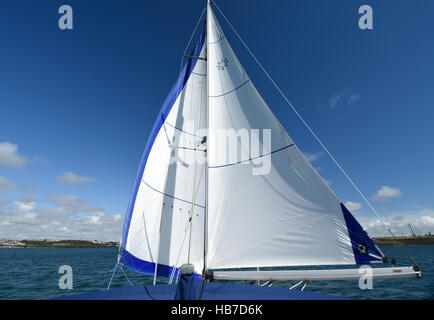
[(212, 291)]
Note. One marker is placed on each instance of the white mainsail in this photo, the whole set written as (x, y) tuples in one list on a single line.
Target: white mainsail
[(182, 211)]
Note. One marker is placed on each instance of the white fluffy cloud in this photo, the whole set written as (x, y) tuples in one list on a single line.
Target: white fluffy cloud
[(421, 221), (387, 193), (72, 179), (353, 206), (24, 205), (71, 218), (68, 205), (9, 156), (95, 219)]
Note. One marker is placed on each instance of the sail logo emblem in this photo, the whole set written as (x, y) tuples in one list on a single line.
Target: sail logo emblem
[(362, 249), (222, 64)]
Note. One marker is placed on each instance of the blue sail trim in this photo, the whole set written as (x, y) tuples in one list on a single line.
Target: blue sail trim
[(165, 109), (148, 268), (363, 246)]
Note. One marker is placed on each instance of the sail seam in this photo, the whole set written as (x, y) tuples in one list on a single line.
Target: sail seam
[(199, 74), (171, 196), (217, 40), (170, 125), (230, 91), (250, 159)]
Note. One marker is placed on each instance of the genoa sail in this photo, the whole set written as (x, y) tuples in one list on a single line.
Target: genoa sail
[(156, 229)]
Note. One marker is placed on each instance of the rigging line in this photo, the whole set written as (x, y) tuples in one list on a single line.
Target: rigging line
[(146, 236), (191, 38), (195, 177), (120, 249), (205, 217), (113, 274), (315, 136), (126, 276), (171, 274), (175, 270), (194, 197), (159, 240)]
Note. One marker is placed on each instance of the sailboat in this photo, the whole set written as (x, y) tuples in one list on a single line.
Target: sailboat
[(198, 214)]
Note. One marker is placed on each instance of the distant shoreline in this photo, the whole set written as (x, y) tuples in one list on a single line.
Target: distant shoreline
[(6, 243), (407, 241)]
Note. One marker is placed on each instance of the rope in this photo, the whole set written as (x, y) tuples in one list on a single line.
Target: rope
[(315, 136), (113, 274), (191, 38), (197, 142), (118, 266), (126, 276)]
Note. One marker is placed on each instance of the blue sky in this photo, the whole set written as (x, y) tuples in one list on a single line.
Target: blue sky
[(77, 106)]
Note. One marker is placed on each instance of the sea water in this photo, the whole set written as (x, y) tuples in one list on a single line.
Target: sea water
[(33, 273)]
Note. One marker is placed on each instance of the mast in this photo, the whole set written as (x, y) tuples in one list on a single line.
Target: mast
[(205, 221)]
